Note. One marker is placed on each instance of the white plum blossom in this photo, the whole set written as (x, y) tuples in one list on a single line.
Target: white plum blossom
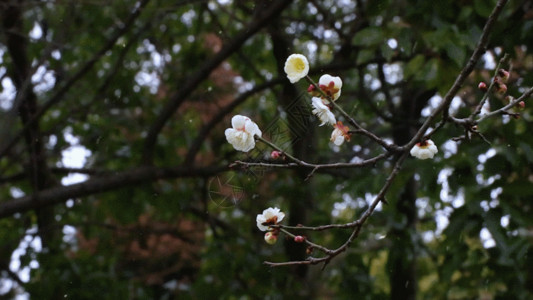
[(241, 136), (424, 150), (296, 67), (340, 133), (270, 216), (322, 112), (330, 85)]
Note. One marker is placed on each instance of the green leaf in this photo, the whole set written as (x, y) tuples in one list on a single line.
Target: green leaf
[(364, 56), (483, 7), (369, 36), (456, 53), (414, 66)]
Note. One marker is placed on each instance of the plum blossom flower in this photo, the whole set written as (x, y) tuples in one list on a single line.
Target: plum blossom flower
[(340, 133), (322, 112), (296, 67), (241, 136), (330, 85), (424, 150), (270, 216)]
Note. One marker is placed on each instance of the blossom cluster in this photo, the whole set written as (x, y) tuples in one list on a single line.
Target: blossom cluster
[(327, 90), (244, 131)]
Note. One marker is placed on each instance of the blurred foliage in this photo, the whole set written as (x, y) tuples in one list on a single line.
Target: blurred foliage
[(184, 238)]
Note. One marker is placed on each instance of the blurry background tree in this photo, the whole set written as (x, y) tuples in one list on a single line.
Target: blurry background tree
[(114, 166)]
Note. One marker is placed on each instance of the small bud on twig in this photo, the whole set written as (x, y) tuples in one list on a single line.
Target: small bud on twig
[(299, 239), (275, 154), (503, 74), (501, 88), (482, 86)]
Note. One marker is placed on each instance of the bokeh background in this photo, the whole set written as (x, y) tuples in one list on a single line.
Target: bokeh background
[(114, 169)]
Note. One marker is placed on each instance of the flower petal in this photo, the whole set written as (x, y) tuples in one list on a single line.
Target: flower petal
[(238, 121), (322, 112), (241, 136), (296, 67)]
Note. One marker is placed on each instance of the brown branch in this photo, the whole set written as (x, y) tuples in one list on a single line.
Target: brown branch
[(300, 163), (206, 129), (397, 166), (358, 128), (459, 81), (319, 228), (511, 104), (102, 184), (357, 225), (203, 72), (58, 96)]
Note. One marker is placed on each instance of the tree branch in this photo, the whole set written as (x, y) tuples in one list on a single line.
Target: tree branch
[(102, 184), (203, 72), (476, 55), (58, 96)]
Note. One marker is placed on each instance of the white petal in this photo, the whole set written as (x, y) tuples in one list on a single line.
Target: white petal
[(325, 79), (238, 121), (240, 140), (280, 216), (322, 112), (433, 149), (338, 140), (260, 219), (337, 83), (252, 128), (296, 67)]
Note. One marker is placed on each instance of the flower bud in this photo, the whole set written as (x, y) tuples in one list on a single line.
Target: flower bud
[(501, 88), (503, 74), (299, 239), (271, 238), (311, 88), (275, 154), (482, 86), (522, 104)]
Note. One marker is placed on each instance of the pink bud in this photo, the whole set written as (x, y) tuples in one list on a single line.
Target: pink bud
[(299, 239), (482, 86), (311, 88), (275, 154), (522, 104), (501, 88), (503, 74), (271, 238)]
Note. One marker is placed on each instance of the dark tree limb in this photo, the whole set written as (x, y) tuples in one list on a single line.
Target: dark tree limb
[(59, 95), (102, 184), (203, 72)]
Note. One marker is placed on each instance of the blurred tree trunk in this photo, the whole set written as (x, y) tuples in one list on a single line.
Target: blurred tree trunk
[(401, 262), (26, 106), (302, 144)]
